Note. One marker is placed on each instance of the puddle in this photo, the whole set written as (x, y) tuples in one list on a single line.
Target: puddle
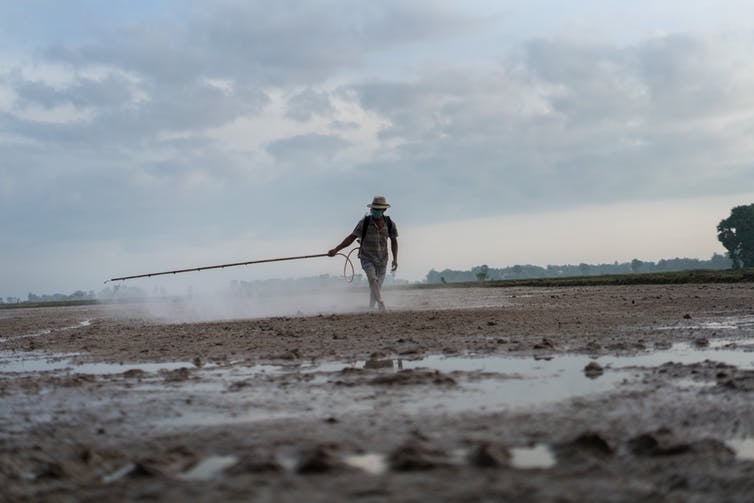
[(743, 447), (689, 354), (489, 383), (209, 468), (118, 474), (745, 344), (539, 456), (38, 361), (374, 464), (727, 323), (483, 384), (690, 383), (505, 381)]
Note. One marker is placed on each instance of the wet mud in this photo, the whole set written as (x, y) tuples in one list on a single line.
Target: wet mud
[(622, 393)]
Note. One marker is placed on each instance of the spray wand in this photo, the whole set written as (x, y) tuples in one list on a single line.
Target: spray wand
[(235, 264)]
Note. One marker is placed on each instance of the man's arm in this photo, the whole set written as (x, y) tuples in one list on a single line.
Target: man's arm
[(394, 248), (346, 242)]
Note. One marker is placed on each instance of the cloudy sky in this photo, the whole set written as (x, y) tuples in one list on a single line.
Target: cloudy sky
[(139, 136)]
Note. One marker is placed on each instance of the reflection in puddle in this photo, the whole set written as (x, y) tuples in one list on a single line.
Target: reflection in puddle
[(539, 456), (743, 447), (209, 468)]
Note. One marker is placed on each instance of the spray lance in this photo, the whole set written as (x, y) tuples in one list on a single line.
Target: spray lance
[(346, 266)]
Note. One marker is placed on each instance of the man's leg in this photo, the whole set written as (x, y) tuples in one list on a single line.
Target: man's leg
[(374, 284), (380, 279)]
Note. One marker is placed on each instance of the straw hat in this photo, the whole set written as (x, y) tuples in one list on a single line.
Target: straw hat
[(379, 203)]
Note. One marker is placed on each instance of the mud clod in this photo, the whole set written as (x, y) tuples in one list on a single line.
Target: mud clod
[(320, 459), (415, 376), (134, 374), (545, 343), (489, 455), (658, 443), (292, 354), (178, 375), (740, 381), (593, 370), (585, 447), (378, 364), (416, 455), (255, 462)]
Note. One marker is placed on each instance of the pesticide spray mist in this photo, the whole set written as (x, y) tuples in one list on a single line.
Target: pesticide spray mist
[(260, 301)]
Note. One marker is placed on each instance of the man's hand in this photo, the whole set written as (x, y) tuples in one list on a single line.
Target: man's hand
[(395, 265), (332, 252)]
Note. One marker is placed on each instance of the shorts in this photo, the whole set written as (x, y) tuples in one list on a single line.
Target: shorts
[(373, 270)]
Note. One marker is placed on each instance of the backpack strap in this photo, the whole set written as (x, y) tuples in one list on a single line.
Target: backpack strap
[(365, 226)]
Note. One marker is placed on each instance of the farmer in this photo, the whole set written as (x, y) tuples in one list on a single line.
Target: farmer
[(373, 231)]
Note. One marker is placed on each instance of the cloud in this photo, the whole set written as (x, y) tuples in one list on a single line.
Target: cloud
[(565, 122), (308, 103), (278, 43), (309, 149)]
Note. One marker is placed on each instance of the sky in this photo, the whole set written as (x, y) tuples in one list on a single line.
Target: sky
[(141, 136)]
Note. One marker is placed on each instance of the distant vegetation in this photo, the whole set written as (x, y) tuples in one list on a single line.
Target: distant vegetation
[(78, 295), (485, 273), (736, 233), (652, 278)]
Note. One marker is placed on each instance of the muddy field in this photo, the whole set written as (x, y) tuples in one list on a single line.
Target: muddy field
[(625, 393)]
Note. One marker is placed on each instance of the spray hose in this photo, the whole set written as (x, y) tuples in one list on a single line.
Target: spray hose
[(346, 276)]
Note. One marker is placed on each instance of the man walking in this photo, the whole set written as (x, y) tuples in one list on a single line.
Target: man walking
[(373, 232)]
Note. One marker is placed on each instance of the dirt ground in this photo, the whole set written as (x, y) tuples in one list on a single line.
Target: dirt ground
[(620, 393)]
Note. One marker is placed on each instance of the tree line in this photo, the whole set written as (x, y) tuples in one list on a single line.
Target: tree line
[(528, 271), (736, 233)]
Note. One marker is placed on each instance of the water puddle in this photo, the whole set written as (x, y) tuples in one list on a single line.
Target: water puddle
[(209, 468), (118, 474), (480, 384), (374, 464), (494, 382), (743, 447), (728, 351), (483, 384), (13, 362), (726, 323), (526, 458)]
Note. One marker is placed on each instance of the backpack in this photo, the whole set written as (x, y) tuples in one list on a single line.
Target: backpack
[(365, 226)]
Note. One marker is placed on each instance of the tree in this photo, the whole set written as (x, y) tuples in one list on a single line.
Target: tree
[(636, 265), (736, 233), (482, 272)]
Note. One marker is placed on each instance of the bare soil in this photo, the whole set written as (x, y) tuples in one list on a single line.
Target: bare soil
[(284, 404)]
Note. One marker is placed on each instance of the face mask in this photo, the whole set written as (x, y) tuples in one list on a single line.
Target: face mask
[(377, 213)]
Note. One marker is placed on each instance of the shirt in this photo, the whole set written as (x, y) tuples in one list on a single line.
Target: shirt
[(374, 247)]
